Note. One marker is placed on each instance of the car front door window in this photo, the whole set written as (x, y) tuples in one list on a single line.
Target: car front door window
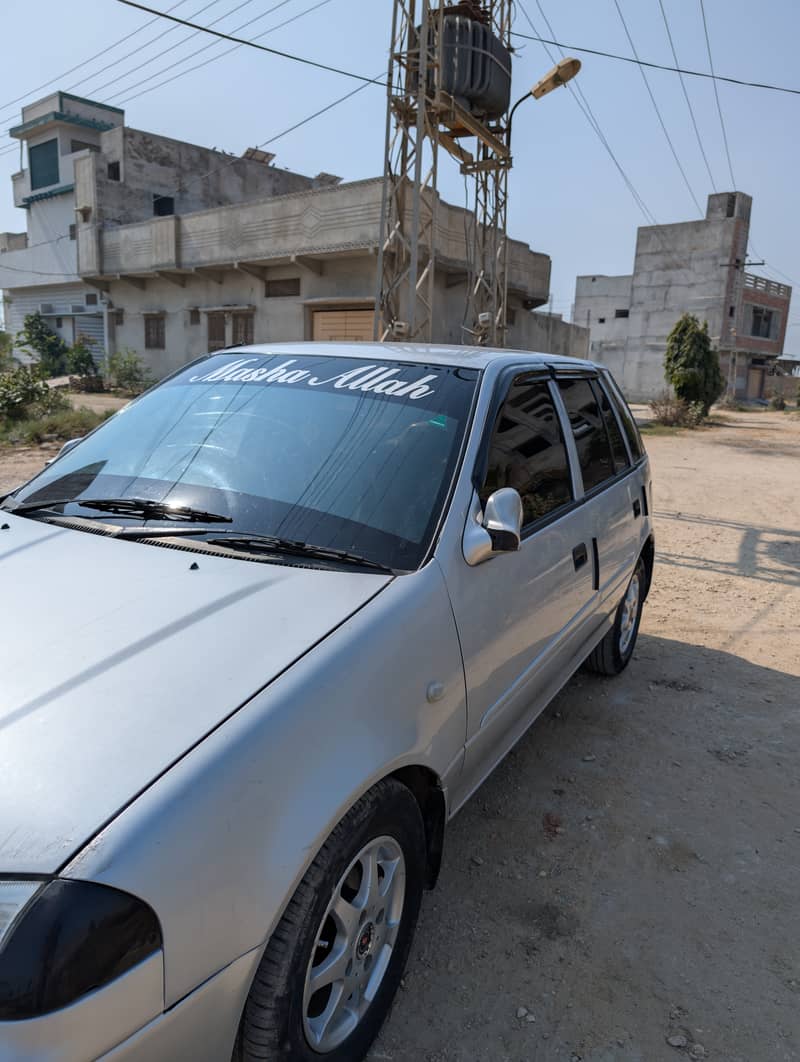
[(527, 451)]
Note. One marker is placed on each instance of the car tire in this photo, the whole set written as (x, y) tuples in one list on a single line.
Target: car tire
[(612, 655), (298, 1008)]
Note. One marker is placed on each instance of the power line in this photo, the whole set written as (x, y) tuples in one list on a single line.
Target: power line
[(38, 272), (85, 62), (213, 58), (637, 198), (580, 99), (252, 44), (657, 109), (171, 66), (220, 55), (127, 55), (686, 95), (152, 58), (121, 58), (196, 33), (716, 95), (655, 66), (284, 132)]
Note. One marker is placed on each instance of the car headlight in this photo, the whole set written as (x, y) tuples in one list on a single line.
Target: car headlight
[(60, 939)]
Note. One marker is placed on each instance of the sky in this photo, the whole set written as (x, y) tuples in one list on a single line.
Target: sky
[(567, 197)]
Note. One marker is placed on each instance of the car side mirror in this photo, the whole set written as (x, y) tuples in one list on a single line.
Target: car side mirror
[(502, 518), (65, 449), (497, 528)]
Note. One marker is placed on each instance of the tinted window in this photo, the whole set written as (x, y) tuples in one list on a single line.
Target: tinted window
[(626, 417), (591, 439), (43, 163), (618, 449), (349, 453), (527, 451)]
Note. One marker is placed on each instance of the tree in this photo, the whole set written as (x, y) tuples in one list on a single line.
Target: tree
[(691, 365), (50, 349)]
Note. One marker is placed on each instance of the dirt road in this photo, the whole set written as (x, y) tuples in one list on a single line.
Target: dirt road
[(631, 873), (669, 906)]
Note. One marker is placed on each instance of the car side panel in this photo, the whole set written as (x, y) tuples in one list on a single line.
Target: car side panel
[(520, 616), (200, 1028), (218, 844), (618, 534)]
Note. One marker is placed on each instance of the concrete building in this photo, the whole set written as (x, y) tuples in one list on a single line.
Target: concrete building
[(693, 267), (173, 249)]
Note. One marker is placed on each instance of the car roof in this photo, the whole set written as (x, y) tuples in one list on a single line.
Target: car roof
[(425, 353)]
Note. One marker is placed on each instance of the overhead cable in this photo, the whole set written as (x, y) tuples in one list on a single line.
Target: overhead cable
[(653, 66), (212, 59), (121, 58), (189, 36), (657, 109), (252, 44), (585, 107), (85, 62), (716, 94), (686, 95)]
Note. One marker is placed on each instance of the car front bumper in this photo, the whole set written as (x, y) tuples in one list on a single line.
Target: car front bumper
[(125, 1021)]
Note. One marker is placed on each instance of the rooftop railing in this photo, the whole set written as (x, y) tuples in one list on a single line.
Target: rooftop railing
[(769, 287)]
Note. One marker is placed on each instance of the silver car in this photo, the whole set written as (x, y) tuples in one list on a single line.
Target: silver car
[(262, 634)]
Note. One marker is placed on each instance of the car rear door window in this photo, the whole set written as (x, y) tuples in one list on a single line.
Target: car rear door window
[(626, 418), (527, 451), (589, 430), (618, 448)]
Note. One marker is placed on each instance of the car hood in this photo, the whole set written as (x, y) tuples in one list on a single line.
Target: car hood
[(116, 657)]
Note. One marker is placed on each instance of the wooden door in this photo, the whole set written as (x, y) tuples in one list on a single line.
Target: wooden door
[(755, 383), (343, 325)]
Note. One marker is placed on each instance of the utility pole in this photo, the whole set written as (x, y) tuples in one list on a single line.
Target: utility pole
[(422, 116)]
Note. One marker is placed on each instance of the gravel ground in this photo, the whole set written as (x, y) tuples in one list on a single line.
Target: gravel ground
[(626, 886)]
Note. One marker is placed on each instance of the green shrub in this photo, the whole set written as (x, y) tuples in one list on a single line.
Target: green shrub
[(777, 401), (52, 402), (52, 427), (691, 365), (20, 390), (39, 339), (79, 359), (6, 346), (673, 412), (127, 373)]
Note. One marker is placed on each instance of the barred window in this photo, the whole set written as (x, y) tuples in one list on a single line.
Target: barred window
[(154, 332)]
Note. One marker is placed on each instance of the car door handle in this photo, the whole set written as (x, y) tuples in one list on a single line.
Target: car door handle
[(580, 556), (637, 508)]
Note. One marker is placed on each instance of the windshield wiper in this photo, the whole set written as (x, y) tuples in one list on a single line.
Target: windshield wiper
[(146, 507), (274, 544), (157, 510)]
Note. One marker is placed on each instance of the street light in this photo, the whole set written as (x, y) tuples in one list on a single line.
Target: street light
[(560, 74)]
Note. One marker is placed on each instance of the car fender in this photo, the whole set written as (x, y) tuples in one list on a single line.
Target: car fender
[(218, 844)]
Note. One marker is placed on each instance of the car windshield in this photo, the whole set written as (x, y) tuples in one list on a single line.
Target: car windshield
[(344, 453)]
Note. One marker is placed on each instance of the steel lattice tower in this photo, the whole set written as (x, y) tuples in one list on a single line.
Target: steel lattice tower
[(420, 118)]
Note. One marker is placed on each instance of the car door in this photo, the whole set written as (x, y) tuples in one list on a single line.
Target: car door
[(520, 615), (612, 496)]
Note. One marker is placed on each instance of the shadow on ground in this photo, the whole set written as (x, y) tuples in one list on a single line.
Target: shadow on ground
[(629, 873)]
